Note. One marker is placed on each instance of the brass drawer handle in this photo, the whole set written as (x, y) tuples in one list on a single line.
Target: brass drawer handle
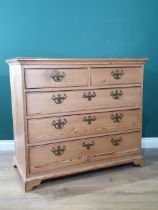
[(59, 124), (59, 98), (117, 117), (57, 76), (88, 145), (116, 140), (89, 119), (116, 94), (117, 74), (59, 150), (89, 95)]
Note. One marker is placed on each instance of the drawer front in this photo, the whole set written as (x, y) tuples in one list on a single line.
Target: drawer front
[(59, 155), (43, 78), (47, 129), (70, 101), (107, 76)]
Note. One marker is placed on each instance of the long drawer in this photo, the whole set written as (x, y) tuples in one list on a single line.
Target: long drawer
[(70, 101), (52, 128), (122, 75), (43, 78), (59, 155)]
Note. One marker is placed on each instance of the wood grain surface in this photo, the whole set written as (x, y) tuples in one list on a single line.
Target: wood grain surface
[(41, 78), (77, 125), (42, 157), (104, 76), (42, 103)]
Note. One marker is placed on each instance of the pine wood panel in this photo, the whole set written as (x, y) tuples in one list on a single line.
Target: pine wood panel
[(43, 159), (42, 103), (106, 76), (41, 78), (18, 110), (76, 125)]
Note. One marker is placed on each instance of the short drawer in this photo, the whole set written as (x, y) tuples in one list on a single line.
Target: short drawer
[(53, 156), (47, 129), (70, 101), (44, 78), (109, 76)]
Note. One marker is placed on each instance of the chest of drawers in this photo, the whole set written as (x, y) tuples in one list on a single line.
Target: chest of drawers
[(75, 115)]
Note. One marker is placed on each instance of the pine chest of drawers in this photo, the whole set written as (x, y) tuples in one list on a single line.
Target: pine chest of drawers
[(75, 115)]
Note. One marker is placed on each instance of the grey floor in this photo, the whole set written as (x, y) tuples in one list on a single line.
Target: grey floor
[(124, 187)]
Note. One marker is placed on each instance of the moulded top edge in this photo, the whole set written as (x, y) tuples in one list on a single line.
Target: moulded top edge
[(22, 60)]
